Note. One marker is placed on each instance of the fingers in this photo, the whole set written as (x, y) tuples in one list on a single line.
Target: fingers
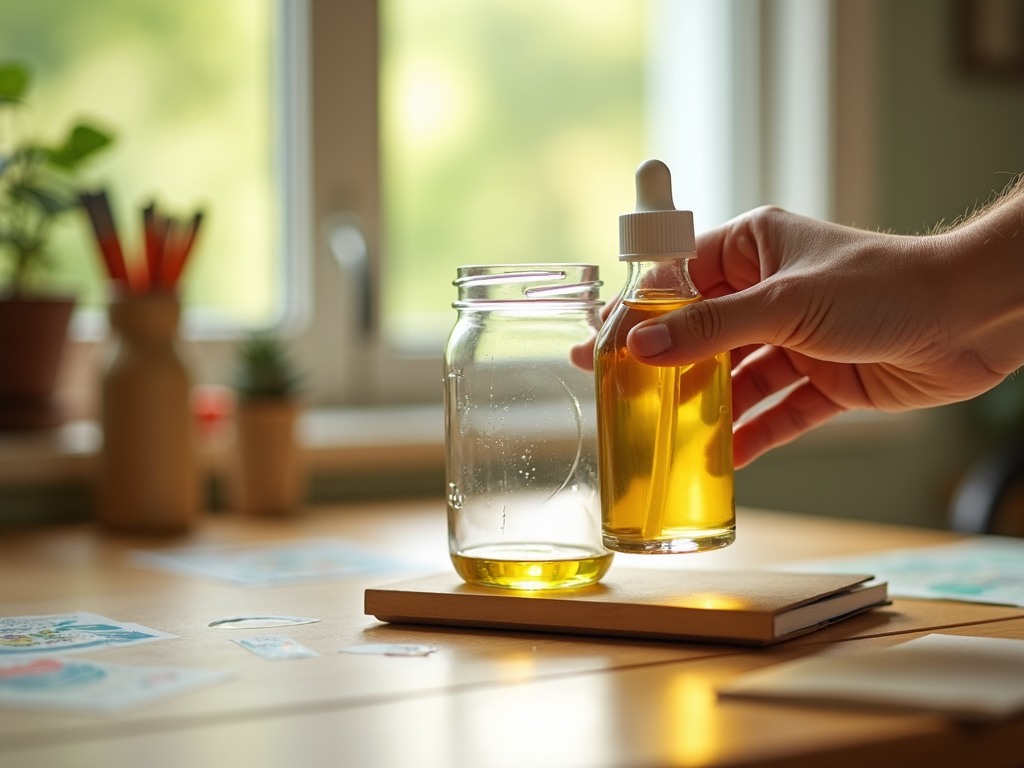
[(760, 375), (802, 409), (607, 308), (733, 272), (739, 354), (707, 271), (705, 328), (582, 355), (768, 372), (730, 256)]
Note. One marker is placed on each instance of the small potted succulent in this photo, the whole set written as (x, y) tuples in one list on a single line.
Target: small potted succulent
[(268, 477), (36, 189)]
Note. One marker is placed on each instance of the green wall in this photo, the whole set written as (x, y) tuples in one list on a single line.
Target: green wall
[(947, 142), (949, 139)]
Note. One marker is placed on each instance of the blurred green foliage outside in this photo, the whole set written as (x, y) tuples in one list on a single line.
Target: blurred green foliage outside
[(510, 133), (186, 87)]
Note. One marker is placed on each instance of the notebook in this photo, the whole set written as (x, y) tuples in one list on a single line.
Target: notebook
[(967, 678), (734, 607)]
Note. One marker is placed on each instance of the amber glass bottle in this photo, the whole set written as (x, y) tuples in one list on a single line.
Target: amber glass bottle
[(665, 433)]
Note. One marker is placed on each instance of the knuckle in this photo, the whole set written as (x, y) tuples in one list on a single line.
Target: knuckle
[(784, 300), (782, 291), (767, 211), (764, 226), (799, 421), (701, 321), (759, 384), (766, 216)]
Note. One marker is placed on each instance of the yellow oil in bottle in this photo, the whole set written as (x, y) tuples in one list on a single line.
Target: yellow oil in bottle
[(531, 566), (665, 438)]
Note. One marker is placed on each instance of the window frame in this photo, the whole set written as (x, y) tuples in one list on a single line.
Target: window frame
[(327, 129)]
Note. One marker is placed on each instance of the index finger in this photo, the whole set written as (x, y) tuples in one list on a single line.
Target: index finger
[(728, 259), (582, 355), (706, 270)]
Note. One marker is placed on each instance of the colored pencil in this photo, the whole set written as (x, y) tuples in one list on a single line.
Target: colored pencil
[(174, 265), (98, 208), (167, 244)]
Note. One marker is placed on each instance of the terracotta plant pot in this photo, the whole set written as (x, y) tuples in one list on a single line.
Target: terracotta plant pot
[(33, 333), (268, 476)]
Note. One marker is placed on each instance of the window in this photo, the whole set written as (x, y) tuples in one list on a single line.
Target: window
[(424, 135), (511, 130), (188, 89)]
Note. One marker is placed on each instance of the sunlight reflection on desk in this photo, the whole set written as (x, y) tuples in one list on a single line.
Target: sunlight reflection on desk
[(690, 725), (530, 718)]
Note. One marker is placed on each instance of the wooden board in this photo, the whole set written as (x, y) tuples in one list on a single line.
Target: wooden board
[(737, 607)]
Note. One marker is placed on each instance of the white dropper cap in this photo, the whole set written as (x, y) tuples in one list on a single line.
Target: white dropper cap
[(656, 230)]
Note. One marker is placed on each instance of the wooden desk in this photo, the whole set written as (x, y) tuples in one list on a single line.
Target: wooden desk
[(485, 698)]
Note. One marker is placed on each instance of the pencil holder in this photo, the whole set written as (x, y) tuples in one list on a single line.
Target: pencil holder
[(148, 479)]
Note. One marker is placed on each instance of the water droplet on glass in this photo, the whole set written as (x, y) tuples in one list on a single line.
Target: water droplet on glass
[(455, 497)]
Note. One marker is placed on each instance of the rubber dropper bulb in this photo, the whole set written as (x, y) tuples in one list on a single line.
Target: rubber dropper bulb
[(655, 230), (654, 187)]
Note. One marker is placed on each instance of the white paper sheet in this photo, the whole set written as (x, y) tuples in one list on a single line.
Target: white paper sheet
[(968, 678)]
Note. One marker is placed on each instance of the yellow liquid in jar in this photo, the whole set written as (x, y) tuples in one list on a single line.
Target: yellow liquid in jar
[(665, 439), (531, 566)]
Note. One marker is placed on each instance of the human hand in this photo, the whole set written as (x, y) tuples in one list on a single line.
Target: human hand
[(846, 318)]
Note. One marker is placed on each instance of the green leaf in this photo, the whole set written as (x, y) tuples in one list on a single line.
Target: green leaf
[(264, 368), (83, 141), (14, 79), (5, 161), (47, 200)]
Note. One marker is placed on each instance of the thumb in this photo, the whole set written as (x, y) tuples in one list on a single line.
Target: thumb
[(705, 328)]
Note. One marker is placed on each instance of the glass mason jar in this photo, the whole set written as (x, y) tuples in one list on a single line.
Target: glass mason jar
[(524, 507)]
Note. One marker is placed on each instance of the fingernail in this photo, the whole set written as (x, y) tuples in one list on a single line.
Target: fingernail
[(650, 340)]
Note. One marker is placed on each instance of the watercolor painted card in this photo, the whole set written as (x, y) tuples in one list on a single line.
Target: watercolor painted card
[(984, 569), (69, 633), (276, 647), (82, 686), (261, 565)]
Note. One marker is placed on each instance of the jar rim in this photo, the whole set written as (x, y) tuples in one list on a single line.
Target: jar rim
[(563, 284)]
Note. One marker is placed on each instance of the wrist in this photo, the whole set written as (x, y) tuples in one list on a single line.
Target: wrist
[(986, 256)]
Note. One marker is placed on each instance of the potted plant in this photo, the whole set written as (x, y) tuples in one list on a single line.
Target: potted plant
[(36, 188), (268, 477)]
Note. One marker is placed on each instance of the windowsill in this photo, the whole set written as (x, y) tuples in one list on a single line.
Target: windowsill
[(339, 440), (346, 440)]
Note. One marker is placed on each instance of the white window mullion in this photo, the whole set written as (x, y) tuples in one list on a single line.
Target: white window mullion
[(689, 98), (799, 67)]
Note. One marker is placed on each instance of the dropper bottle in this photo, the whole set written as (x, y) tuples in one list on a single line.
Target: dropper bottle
[(664, 433)]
